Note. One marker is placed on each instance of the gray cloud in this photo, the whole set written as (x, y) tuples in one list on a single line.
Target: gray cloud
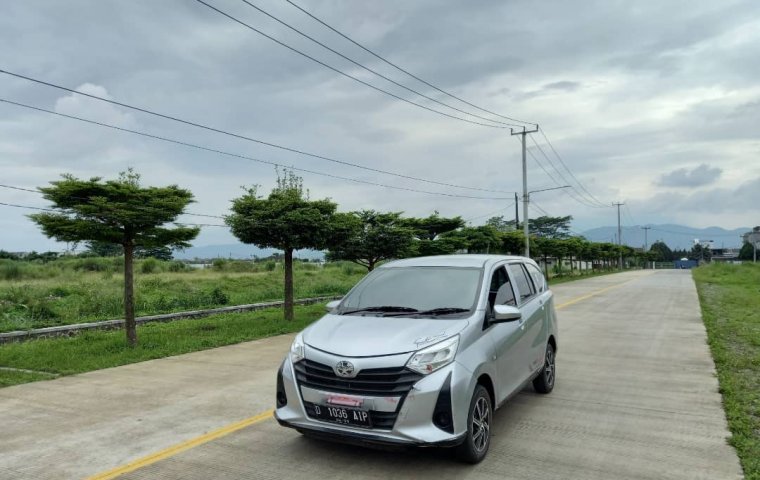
[(627, 92), (696, 177)]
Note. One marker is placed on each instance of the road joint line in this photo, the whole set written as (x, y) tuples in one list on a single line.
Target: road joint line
[(181, 447)]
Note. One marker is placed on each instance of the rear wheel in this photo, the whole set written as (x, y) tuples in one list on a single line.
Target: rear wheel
[(544, 382), (478, 439)]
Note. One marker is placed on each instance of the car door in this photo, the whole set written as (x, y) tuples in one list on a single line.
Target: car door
[(541, 335), (532, 321), (505, 336)]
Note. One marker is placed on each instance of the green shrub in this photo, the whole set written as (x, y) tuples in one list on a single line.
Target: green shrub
[(270, 266), (218, 297), (177, 266), (10, 271), (218, 264), (149, 265)]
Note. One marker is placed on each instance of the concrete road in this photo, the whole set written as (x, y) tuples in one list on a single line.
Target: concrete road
[(636, 398)]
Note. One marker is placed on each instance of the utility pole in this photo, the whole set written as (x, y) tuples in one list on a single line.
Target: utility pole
[(526, 196), (646, 244), (517, 212), (619, 237)]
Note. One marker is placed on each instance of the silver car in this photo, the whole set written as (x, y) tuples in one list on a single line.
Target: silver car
[(421, 352)]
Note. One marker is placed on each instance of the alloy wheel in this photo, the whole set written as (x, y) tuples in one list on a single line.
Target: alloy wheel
[(481, 419)]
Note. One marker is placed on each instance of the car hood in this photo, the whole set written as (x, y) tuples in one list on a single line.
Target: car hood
[(371, 336)]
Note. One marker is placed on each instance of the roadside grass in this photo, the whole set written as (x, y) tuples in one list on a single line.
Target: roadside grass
[(91, 289), (578, 275), (95, 350), (730, 300)]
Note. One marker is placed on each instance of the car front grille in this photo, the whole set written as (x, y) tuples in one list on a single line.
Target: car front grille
[(378, 382)]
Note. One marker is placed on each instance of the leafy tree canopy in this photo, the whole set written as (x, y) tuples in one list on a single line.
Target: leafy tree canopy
[(430, 227), (551, 227), (373, 237)]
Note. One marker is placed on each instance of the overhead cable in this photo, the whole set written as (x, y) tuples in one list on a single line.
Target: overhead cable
[(235, 135)]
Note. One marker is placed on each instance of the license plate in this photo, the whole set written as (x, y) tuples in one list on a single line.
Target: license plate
[(343, 415)]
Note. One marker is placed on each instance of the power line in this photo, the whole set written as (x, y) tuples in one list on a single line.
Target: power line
[(379, 57), (568, 169), (253, 159), (558, 183), (29, 207), (231, 134), (375, 72), (81, 198), (491, 213), (341, 72), (562, 176)]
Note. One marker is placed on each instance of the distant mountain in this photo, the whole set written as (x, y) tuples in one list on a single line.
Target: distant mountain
[(238, 251), (675, 236)]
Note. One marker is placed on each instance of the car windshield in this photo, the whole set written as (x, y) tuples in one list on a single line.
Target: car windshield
[(433, 291)]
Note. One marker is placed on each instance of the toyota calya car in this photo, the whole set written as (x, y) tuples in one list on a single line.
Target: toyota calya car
[(421, 352)]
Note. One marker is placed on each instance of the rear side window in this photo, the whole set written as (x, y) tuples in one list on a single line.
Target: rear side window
[(523, 284), (500, 292), (537, 276)]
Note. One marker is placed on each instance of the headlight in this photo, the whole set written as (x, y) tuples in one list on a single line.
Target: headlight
[(431, 358), (297, 349)]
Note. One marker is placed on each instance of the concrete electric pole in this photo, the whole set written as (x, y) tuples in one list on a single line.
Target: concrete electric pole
[(619, 237), (517, 212), (526, 196)]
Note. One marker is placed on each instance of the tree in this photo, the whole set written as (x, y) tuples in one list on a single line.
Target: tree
[(159, 253), (288, 220), (662, 252), (483, 239), (551, 227), (116, 211), (429, 228), (701, 253), (430, 231), (501, 225), (374, 237), (96, 248), (747, 252)]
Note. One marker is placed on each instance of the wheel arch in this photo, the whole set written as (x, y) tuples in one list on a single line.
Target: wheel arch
[(485, 380)]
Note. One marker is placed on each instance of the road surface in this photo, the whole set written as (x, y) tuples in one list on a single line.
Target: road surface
[(636, 398)]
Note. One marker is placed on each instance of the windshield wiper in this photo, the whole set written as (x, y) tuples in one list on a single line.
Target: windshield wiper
[(382, 308), (434, 311)]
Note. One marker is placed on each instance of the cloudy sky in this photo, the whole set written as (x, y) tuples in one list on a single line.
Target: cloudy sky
[(653, 103)]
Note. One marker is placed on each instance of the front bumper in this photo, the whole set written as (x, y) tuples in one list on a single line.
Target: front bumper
[(413, 425)]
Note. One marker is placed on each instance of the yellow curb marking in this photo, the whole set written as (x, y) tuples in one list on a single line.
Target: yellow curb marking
[(234, 427), (181, 447)]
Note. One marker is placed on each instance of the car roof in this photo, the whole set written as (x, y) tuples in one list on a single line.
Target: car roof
[(465, 260)]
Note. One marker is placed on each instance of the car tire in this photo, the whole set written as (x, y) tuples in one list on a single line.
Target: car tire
[(544, 382), (479, 418)]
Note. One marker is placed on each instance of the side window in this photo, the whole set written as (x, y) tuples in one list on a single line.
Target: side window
[(537, 276), (500, 292), (524, 287)]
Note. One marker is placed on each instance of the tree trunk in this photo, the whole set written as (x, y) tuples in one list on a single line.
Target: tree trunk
[(129, 296), (371, 266), (289, 284)]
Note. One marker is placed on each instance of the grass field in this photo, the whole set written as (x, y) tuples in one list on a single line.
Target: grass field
[(103, 349), (730, 300), (79, 290)]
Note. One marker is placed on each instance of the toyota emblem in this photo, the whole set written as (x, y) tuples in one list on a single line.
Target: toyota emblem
[(345, 369)]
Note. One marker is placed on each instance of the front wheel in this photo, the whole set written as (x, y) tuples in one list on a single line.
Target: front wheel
[(544, 382), (475, 445)]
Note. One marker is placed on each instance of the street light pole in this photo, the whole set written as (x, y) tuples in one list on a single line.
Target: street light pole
[(526, 196)]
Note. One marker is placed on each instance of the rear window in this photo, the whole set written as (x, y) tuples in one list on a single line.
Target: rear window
[(523, 284)]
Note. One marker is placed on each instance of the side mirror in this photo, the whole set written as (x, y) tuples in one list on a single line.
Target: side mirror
[(505, 313), (332, 305)]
